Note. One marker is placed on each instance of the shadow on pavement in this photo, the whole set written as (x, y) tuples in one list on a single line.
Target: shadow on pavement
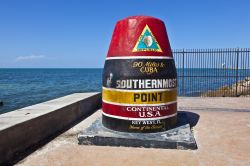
[(186, 117)]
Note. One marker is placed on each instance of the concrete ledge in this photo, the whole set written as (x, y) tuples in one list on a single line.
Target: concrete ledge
[(24, 128)]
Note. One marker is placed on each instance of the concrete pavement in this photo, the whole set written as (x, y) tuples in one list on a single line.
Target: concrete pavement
[(222, 133)]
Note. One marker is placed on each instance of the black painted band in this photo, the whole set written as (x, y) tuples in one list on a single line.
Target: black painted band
[(125, 125), (137, 69)]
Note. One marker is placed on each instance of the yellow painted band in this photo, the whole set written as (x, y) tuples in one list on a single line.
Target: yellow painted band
[(146, 97)]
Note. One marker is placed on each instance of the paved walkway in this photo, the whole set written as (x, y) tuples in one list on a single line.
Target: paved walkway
[(222, 134)]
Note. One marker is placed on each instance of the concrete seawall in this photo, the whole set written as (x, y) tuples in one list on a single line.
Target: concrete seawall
[(22, 129)]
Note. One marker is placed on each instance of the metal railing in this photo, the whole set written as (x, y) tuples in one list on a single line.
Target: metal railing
[(213, 72)]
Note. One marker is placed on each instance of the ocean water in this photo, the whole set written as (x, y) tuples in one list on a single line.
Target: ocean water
[(23, 87), (199, 80)]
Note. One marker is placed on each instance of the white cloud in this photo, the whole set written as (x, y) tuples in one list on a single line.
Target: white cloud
[(30, 57)]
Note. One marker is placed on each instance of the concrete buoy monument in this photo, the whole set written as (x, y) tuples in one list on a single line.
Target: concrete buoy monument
[(139, 78), (139, 94)]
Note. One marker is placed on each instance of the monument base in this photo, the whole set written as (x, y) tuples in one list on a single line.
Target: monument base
[(180, 137)]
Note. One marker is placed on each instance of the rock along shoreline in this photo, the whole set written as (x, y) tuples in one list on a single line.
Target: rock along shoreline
[(242, 88)]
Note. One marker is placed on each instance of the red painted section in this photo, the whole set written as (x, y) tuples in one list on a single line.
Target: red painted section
[(133, 111), (127, 32)]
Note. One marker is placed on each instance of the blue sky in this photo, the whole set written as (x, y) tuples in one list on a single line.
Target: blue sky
[(76, 34)]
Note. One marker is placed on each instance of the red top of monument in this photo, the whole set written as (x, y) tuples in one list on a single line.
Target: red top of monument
[(139, 36)]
